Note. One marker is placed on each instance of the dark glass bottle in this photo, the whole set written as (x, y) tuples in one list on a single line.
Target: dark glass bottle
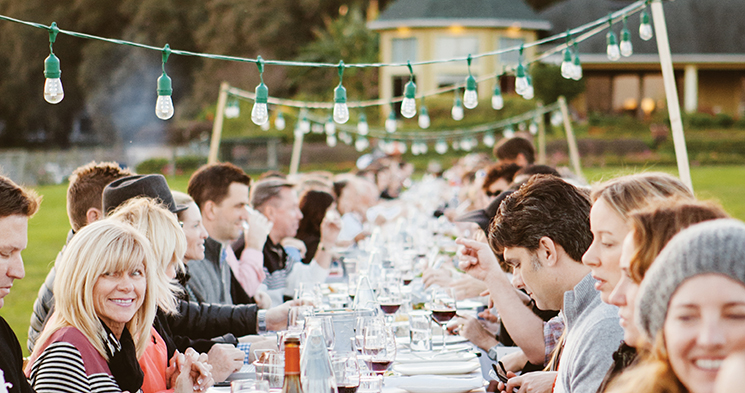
[(292, 366)]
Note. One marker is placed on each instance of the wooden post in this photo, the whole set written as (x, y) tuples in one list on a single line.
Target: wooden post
[(297, 148), (541, 136), (673, 105), (571, 141), (222, 99)]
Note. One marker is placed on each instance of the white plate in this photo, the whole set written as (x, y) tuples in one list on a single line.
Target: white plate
[(469, 304), (442, 368), (434, 357), (436, 384), (436, 340)]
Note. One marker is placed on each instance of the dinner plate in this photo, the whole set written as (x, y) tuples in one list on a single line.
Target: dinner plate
[(441, 368), (433, 357), (436, 340), (437, 384)]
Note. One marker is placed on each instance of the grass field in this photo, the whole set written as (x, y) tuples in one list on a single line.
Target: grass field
[(48, 229)]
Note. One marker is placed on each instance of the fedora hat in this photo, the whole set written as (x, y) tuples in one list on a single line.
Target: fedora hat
[(151, 186)]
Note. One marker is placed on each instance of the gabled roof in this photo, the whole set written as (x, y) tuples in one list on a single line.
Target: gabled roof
[(705, 28), (467, 13)]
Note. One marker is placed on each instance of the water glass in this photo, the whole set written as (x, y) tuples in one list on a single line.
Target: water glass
[(296, 317), (420, 331), (370, 383), (325, 323), (346, 371), (271, 369), (249, 386)]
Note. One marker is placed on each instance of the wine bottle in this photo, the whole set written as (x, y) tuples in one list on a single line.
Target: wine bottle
[(292, 366)]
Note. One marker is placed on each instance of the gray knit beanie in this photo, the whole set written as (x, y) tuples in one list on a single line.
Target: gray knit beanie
[(716, 246)]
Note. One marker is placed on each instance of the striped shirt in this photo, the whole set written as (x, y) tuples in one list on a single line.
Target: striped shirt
[(70, 364)]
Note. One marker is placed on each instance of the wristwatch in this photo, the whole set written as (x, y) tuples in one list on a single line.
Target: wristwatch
[(492, 353), (261, 321)]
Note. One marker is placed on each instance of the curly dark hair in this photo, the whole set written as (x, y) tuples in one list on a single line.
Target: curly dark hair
[(544, 206), (499, 171)]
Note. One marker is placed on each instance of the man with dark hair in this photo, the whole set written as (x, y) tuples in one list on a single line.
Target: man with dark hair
[(17, 205), (543, 229), (498, 178), (221, 192), (515, 150), (84, 206), (278, 201)]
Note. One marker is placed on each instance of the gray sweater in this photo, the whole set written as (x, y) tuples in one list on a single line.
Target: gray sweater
[(593, 335)]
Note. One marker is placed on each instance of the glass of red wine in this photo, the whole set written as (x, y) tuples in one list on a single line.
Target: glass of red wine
[(443, 308), (379, 348), (390, 298), (346, 371)]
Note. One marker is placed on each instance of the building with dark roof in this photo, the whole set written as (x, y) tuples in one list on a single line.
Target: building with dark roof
[(416, 30), (707, 41)]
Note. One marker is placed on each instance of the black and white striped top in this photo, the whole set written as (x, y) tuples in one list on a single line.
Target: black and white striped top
[(70, 364)]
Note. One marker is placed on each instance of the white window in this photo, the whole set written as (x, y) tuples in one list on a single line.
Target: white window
[(452, 47), (404, 49)]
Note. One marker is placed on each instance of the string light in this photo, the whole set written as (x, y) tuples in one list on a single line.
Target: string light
[(645, 28), (521, 81), (331, 140), (346, 138), (361, 143), (341, 112), (533, 127), (497, 101), (470, 97), (265, 126), (390, 122), (441, 147), (164, 104), (232, 109), (508, 132), (279, 122), (626, 47), (567, 66), (423, 116), (529, 91), (408, 106), (488, 139), (457, 111), (53, 92), (613, 51), (577, 69), (362, 127), (316, 128), (304, 123), (423, 148), (330, 127), (260, 113), (556, 118)]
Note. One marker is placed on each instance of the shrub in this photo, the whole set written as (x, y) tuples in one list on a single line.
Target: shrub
[(189, 163), (152, 165)]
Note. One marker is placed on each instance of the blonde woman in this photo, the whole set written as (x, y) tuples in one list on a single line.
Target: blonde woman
[(105, 305)]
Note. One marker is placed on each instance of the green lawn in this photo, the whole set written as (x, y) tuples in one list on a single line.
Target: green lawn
[(48, 229)]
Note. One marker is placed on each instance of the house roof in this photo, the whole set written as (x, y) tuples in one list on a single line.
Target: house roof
[(702, 28), (468, 13)]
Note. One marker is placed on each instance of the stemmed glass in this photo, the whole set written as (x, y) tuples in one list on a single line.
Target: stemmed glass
[(346, 370), (379, 348), (390, 298), (325, 323), (443, 307)]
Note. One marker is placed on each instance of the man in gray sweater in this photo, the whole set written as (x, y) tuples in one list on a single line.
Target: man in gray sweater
[(543, 229)]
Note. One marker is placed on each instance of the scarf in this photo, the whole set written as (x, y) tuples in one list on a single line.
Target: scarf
[(123, 360)]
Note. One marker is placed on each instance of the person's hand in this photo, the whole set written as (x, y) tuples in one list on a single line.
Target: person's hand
[(471, 329), (258, 229), (225, 360), (467, 287), (488, 316), (514, 361), (276, 317), (535, 382), (330, 228), (263, 300), (189, 372), (441, 277), (265, 344), (476, 258)]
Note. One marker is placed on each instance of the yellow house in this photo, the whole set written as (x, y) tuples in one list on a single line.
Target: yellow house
[(421, 30)]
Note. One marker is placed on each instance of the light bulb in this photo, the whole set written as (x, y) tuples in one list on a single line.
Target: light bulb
[(456, 145), (466, 145), (566, 65), (304, 125), (415, 148), (361, 144), (259, 113), (488, 140), (164, 104), (423, 148), (341, 112), (577, 69), (331, 140), (645, 28), (265, 126), (423, 118), (529, 92), (317, 128), (362, 127), (533, 127), (53, 92), (626, 48), (345, 138), (279, 122), (390, 123), (408, 106), (329, 127), (556, 118), (457, 111), (521, 81), (401, 147), (508, 132), (613, 51), (164, 107), (470, 97), (497, 101), (232, 110), (441, 146)]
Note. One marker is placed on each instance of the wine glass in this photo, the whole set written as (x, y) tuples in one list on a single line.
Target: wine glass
[(379, 347), (443, 309), (325, 323), (390, 298), (296, 317), (346, 370)]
